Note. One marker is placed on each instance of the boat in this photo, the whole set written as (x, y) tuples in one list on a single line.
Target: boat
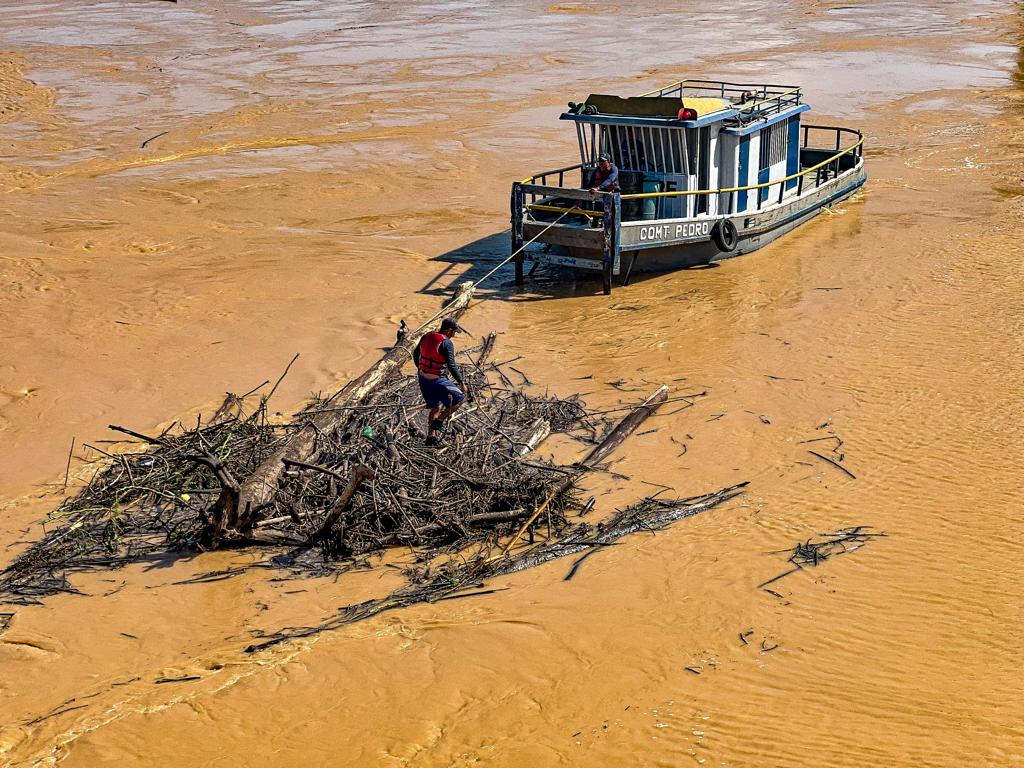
[(708, 169)]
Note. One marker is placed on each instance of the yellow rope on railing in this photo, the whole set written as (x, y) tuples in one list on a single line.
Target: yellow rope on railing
[(644, 195)]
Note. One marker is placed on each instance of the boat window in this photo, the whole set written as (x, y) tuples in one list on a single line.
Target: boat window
[(610, 144), (699, 142), (633, 156), (678, 150), (627, 145), (667, 150), (691, 141), (698, 162), (662, 152), (584, 149), (645, 149), (773, 144)]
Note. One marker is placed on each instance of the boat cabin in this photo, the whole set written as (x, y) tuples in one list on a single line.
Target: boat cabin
[(668, 141), (693, 159)]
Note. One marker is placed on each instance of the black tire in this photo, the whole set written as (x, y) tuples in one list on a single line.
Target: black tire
[(725, 236)]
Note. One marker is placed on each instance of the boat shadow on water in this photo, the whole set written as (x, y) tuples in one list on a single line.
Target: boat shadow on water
[(474, 260)]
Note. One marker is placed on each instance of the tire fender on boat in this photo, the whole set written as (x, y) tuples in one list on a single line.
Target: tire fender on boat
[(725, 236)]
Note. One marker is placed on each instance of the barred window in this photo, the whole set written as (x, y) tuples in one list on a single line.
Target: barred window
[(648, 149), (699, 142), (773, 143)]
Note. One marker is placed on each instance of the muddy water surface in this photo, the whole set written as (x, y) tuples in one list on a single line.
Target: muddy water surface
[(191, 193)]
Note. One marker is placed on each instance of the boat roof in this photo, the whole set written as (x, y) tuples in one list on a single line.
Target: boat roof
[(713, 101)]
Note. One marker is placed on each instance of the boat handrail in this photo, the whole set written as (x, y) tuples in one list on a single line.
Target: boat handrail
[(725, 190), (560, 171), (560, 209), (779, 101), (762, 185), (778, 96), (720, 85)]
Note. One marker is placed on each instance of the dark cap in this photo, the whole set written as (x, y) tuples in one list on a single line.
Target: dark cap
[(449, 324)]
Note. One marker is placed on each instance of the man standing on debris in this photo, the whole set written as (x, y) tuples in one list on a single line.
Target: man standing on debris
[(432, 355)]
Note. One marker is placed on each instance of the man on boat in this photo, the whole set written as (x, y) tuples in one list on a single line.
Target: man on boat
[(605, 179), (606, 176), (432, 355)]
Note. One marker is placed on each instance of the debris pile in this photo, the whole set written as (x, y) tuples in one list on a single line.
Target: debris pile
[(406, 493), (375, 483), (814, 551), (350, 476)]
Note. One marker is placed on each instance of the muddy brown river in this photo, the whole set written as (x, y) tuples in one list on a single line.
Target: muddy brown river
[(191, 193)]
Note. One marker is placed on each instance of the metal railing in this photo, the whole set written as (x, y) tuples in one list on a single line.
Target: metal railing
[(542, 178), (769, 98), (830, 165), (724, 87)]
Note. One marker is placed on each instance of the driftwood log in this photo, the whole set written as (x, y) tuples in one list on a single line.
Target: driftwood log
[(255, 494), (344, 501), (539, 432), (624, 429), (601, 451)]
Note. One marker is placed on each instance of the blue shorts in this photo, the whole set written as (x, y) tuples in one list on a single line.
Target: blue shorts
[(440, 391)]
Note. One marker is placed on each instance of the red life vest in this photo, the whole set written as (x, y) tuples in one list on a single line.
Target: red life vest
[(599, 178), (432, 362)]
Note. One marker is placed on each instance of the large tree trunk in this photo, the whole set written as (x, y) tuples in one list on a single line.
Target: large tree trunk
[(257, 491)]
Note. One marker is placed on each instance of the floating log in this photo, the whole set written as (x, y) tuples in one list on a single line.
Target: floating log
[(539, 432), (625, 428), (359, 476), (601, 451)]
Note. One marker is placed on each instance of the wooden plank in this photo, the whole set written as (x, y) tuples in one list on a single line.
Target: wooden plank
[(566, 192), (566, 234), (566, 261)]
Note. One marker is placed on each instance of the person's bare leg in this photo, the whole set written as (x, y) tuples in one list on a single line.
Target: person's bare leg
[(450, 410), (447, 412), (432, 418)]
